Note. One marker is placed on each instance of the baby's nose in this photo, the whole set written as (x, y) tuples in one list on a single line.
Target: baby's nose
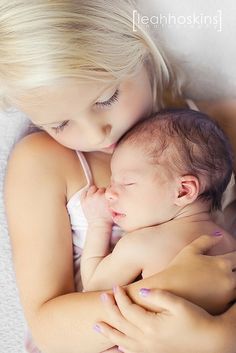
[(110, 194)]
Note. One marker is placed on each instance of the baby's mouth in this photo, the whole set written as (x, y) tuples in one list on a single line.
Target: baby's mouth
[(116, 215)]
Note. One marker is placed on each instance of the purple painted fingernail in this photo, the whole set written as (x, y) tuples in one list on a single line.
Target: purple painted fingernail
[(217, 233), (144, 292), (121, 349), (104, 297), (97, 328), (114, 288)]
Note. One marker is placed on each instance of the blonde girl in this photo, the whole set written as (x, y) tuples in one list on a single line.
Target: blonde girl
[(82, 75)]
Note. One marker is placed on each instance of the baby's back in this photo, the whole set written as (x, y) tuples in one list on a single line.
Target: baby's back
[(166, 240)]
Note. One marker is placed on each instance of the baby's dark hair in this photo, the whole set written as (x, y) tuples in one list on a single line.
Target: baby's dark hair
[(198, 147)]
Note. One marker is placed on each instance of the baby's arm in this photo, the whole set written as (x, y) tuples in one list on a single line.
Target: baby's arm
[(122, 266), (98, 233), (99, 269)]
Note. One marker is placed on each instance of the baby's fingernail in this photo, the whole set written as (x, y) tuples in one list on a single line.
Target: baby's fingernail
[(104, 297), (97, 328), (121, 349), (217, 233), (144, 292)]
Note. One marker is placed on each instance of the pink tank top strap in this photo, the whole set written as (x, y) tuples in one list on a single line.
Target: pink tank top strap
[(86, 168)]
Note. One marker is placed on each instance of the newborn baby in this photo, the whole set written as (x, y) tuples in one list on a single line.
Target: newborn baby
[(167, 174)]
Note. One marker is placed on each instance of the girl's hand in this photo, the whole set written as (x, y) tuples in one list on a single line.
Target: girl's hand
[(177, 326), (95, 206), (208, 281)]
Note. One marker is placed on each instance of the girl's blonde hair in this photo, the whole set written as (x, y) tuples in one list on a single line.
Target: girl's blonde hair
[(42, 41)]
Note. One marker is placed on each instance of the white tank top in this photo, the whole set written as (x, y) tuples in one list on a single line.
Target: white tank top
[(77, 218), (79, 223)]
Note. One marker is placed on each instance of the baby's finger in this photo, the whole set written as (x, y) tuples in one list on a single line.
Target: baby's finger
[(115, 336), (101, 190), (83, 194), (91, 190), (116, 319)]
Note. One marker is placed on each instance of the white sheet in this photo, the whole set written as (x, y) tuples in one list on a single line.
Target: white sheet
[(203, 46), (13, 126)]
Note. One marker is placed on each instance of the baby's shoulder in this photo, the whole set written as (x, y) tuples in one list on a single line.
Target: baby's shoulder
[(146, 237)]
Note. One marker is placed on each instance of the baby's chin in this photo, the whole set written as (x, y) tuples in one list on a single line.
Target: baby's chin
[(125, 223), (126, 226)]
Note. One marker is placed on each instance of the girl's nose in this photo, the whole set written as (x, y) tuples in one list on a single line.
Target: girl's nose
[(96, 135), (106, 129)]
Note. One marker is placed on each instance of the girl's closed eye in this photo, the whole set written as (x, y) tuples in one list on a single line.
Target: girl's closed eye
[(60, 127), (103, 104), (110, 101)]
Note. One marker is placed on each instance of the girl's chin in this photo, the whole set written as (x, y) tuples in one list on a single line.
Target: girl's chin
[(108, 150)]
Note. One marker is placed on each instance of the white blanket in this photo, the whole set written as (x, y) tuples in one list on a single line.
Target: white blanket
[(13, 126)]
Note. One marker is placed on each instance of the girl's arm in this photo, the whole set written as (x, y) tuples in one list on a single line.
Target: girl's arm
[(177, 326), (60, 319), (35, 196)]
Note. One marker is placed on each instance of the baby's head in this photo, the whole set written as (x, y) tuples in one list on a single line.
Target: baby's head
[(166, 163)]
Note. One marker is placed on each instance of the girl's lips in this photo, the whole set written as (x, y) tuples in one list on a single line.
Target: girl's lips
[(111, 147)]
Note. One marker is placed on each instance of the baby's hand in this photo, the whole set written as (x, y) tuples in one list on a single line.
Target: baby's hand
[(95, 206)]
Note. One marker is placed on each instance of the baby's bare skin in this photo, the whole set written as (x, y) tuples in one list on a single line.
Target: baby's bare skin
[(173, 236), (160, 213), (143, 251)]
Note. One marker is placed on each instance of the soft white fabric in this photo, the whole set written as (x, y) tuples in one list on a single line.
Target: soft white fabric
[(13, 126), (205, 52)]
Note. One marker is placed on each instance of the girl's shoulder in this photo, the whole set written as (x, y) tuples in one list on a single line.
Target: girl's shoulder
[(42, 145), (53, 160), (35, 191)]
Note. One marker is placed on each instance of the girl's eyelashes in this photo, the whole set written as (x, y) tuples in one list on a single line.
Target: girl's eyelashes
[(107, 103), (110, 101), (60, 127)]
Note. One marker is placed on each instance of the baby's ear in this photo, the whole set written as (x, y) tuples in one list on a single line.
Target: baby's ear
[(188, 190)]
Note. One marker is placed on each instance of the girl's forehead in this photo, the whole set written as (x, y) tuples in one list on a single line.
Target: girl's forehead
[(61, 100), (69, 88)]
